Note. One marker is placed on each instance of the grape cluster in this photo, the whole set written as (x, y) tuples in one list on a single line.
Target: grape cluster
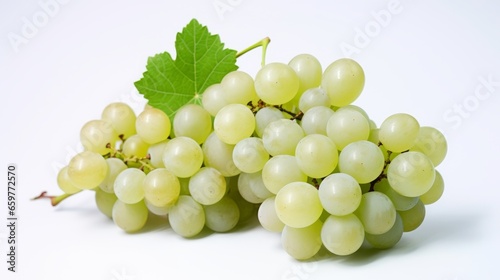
[(287, 146)]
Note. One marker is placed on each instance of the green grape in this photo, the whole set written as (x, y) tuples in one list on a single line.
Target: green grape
[(249, 155), (105, 202), (153, 125), (135, 146), (251, 187), (264, 117), (268, 217), (411, 174), (281, 170), (435, 192), (432, 143), (398, 132), (343, 81), (316, 155), (340, 194), (313, 97), (276, 83), (233, 123), (401, 202), (298, 205), (315, 120), (192, 121), (129, 185), (281, 137), (207, 186), (121, 117), (213, 99), (65, 183), (302, 243), (414, 217), (342, 235), (155, 153), (219, 155), (308, 70), (186, 217), (347, 126), (238, 88), (182, 156), (161, 187), (223, 215), (130, 217), (363, 160), (388, 239), (376, 212), (87, 170), (115, 167), (95, 135)]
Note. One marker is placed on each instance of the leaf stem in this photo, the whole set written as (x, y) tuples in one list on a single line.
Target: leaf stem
[(262, 43)]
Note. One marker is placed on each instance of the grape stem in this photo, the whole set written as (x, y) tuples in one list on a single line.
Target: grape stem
[(262, 43), (143, 163), (54, 200)]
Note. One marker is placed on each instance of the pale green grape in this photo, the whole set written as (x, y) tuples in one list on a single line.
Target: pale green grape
[(264, 117), (435, 192), (207, 186), (186, 217), (121, 117), (363, 160), (130, 217), (411, 174), (268, 217), (340, 194), (343, 81), (376, 212), (302, 243), (153, 125), (219, 155), (315, 120), (342, 235), (414, 217), (87, 170), (347, 126), (223, 215), (399, 132), (213, 99), (251, 187), (105, 202), (308, 70), (161, 187), (276, 83), (401, 202), (233, 123), (298, 205), (65, 183), (388, 239), (281, 137), (115, 167), (313, 97), (95, 135), (316, 155), (238, 88), (432, 143), (135, 146), (281, 170), (159, 211), (182, 156), (155, 153), (249, 155), (193, 121), (129, 185)]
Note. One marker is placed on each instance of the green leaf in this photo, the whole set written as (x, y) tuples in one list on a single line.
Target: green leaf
[(201, 61)]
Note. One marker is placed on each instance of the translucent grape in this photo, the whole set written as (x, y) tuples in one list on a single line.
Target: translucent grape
[(363, 160), (432, 143), (115, 167), (238, 88), (213, 99), (302, 243), (276, 83), (105, 202), (95, 135), (399, 132), (388, 239), (87, 170), (222, 216), (264, 117), (182, 156), (268, 217), (233, 123), (347, 126), (313, 97), (376, 212), (251, 187), (298, 205), (414, 217), (249, 155), (207, 186), (342, 235), (281, 170), (411, 174), (155, 153), (192, 121), (401, 202), (161, 187), (121, 117), (186, 217), (281, 137), (129, 185), (435, 192), (219, 155), (340, 194), (153, 125), (135, 146), (316, 155), (343, 81), (130, 217), (315, 120), (65, 183), (308, 70)]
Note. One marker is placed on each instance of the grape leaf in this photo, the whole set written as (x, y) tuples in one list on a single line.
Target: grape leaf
[(201, 61)]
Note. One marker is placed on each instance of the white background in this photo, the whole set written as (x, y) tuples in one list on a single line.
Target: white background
[(428, 60)]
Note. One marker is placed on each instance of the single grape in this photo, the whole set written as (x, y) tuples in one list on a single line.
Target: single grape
[(213, 99), (128, 185), (432, 143), (347, 126), (135, 146), (249, 155), (414, 217), (251, 187), (186, 217), (207, 186), (130, 217), (192, 121), (238, 88), (161, 187), (115, 167), (435, 192), (376, 212), (411, 174), (342, 235), (268, 217), (219, 155), (87, 170), (276, 83), (340, 194), (182, 156), (121, 117), (343, 81), (315, 120), (153, 125), (399, 132), (363, 160), (223, 215), (105, 202), (264, 117), (281, 170), (65, 183), (388, 239), (313, 97), (281, 137), (298, 205), (95, 135), (316, 155), (302, 243), (308, 70), (233, 123)]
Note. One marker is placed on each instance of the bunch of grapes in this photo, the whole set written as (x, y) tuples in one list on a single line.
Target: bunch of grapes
[(287, 146)]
